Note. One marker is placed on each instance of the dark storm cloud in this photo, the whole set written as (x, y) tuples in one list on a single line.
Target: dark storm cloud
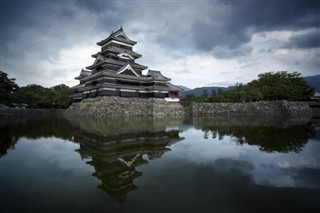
[(30, 24), (224, 26), (110, 14), (275, 14), (304, 41), (225, 53), (201, 26), (240, 19), (38, 31)]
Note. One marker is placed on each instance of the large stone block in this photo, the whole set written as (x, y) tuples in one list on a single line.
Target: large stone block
[(120, 106), (262, 108)]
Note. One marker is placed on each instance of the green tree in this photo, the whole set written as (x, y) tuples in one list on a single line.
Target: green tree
[(282, 85), (205, 96), (225, 96), (61, 95), (7, 87), (185, 101), (246, 93), (38, 96), (34, 95), (213, 96)]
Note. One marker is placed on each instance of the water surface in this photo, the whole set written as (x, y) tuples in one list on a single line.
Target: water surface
[(159, 165)]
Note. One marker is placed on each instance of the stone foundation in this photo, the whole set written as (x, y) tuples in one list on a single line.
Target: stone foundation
[(262, 108), (10, 113), (119, 106), (123, 107)]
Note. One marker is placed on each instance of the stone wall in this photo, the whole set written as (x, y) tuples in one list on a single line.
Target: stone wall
[(8, 113), (119, 106), (124, 107), (262, 108)]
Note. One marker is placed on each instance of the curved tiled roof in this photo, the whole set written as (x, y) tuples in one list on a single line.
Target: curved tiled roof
[(83, 74), (119, 50), (157, 75), (119, 35), (113, 61)]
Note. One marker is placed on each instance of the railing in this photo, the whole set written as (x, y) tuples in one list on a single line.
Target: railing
[(172, 99)]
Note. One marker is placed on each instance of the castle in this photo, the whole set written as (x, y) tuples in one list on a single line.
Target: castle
[(115, 73)]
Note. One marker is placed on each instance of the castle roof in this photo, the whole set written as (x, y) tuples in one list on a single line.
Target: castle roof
[(118, 50), (84, 73), (78, 86), (157, 75), (119, 35), (113, 61), (173, 87)]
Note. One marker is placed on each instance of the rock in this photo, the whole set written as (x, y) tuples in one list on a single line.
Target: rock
[(119, 106), (262, 108)]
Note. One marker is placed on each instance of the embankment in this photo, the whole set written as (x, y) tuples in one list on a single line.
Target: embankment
[(8, 113), (118, 106), (262, 108)]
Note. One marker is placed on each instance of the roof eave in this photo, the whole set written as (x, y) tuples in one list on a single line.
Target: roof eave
[(102, 42), (134, 54)]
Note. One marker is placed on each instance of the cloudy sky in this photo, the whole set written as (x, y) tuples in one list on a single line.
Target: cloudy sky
[(195, 43)]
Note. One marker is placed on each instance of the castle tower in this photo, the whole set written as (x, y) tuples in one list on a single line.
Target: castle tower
[(115, 73)]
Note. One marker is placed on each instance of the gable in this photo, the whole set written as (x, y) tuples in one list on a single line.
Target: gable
[(99, 59), (127, 70), (122, 36)]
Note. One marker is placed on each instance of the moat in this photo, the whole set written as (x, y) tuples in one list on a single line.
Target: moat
[(241, 164)]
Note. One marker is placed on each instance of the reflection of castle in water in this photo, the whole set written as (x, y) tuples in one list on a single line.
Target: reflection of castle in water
[(115, 147), (115, 154)]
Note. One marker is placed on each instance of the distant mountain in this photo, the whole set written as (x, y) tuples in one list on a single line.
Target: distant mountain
[(199, 90), (184, 88), (313, 81)]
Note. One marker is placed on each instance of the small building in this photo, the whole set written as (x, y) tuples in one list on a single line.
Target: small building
[(115, 73), (19, 105)]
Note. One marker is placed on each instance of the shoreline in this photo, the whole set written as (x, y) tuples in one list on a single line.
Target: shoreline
[(16, 113), (96, 108)]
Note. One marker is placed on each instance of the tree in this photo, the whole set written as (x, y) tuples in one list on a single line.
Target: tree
[(7, 87), (185, 101), (205, 96), (246, 93), (38, 96), (61, 95), (282, 85), (34, 95)]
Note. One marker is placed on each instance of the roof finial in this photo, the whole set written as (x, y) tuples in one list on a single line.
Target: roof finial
[(121, 27)]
